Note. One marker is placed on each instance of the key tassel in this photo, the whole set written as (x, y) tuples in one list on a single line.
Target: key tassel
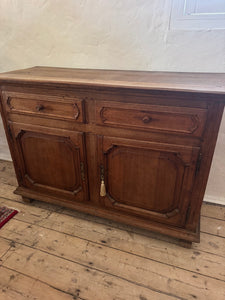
[(102, 189)]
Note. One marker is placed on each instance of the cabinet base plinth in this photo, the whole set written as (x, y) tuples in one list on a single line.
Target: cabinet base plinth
[(185, 244), (86, 207), (27, 200)]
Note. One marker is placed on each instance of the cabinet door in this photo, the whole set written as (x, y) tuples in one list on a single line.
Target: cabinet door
[(147, 179), (51, 161)]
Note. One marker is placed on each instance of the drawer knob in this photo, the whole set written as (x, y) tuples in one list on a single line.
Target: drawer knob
[(146, 119), (39, 107)]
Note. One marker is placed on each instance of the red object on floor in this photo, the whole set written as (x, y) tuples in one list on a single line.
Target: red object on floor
[(6, 214)]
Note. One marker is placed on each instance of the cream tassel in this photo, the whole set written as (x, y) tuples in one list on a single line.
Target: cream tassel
[(102, 189)]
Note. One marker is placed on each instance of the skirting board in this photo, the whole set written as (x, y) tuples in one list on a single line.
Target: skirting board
[(207, 198), (5, 156), (213, 199)]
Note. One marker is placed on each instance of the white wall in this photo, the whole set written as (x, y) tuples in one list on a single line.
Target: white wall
[(113, 34)]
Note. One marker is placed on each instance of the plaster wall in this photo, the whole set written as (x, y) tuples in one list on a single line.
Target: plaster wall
[(112, 34)]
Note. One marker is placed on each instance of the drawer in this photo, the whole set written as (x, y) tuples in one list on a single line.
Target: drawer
[(183, 120), (46, 106)]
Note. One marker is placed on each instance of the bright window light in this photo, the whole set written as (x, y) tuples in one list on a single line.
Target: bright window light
[(198, 14)]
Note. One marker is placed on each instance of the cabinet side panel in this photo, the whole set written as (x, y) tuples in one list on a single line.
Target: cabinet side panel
[(8, 135), (214, 117)]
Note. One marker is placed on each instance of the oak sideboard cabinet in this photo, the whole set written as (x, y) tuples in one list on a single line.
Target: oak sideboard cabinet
[(134, 147)]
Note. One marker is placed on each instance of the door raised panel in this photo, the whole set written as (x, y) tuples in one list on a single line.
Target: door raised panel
[(52, 161), (147, 179)]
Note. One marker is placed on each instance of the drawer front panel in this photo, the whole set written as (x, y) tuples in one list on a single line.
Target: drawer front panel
[(183, 120), (48, 107)]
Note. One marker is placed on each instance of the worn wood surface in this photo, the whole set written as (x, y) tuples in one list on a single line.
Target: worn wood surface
[(200, 82), (15, 285), (49, 252)]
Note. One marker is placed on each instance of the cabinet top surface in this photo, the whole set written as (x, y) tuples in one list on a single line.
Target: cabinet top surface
[(170, 81)]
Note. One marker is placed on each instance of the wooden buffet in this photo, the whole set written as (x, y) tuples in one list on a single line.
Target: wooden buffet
[(134, 147)]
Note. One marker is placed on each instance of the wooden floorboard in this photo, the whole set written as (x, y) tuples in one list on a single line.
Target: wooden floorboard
[(15, 285), (122, 240), (49, 252)]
